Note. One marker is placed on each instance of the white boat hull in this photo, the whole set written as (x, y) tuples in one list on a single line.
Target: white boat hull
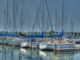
[(23, 44), (56, 47), (42, 46)]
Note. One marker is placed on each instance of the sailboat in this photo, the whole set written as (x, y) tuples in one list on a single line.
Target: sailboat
[(41, 21), (58, 44)]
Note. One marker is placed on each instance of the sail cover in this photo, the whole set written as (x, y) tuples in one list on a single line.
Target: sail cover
[(41, 35)]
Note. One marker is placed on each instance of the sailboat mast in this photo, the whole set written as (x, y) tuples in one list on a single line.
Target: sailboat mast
[(13, 18), (62, 13), (7, 15), (21, 22), (55, 20), (42, 15)]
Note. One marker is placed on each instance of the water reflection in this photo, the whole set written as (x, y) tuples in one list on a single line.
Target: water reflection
[(12, 53)]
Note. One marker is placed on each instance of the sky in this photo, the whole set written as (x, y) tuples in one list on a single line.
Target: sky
[(21, 16)]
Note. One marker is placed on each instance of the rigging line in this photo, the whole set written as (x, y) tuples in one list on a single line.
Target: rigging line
[(72, 27), (4, 21), (17, 14), (13, 15), (36, 16), (8, 22), (7, 13), (55, 19), (62, 13), (14, 23), (42, 15), (21, 17), (49, 15)]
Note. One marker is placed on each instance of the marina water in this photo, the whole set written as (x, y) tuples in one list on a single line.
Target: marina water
[(13, 53)]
